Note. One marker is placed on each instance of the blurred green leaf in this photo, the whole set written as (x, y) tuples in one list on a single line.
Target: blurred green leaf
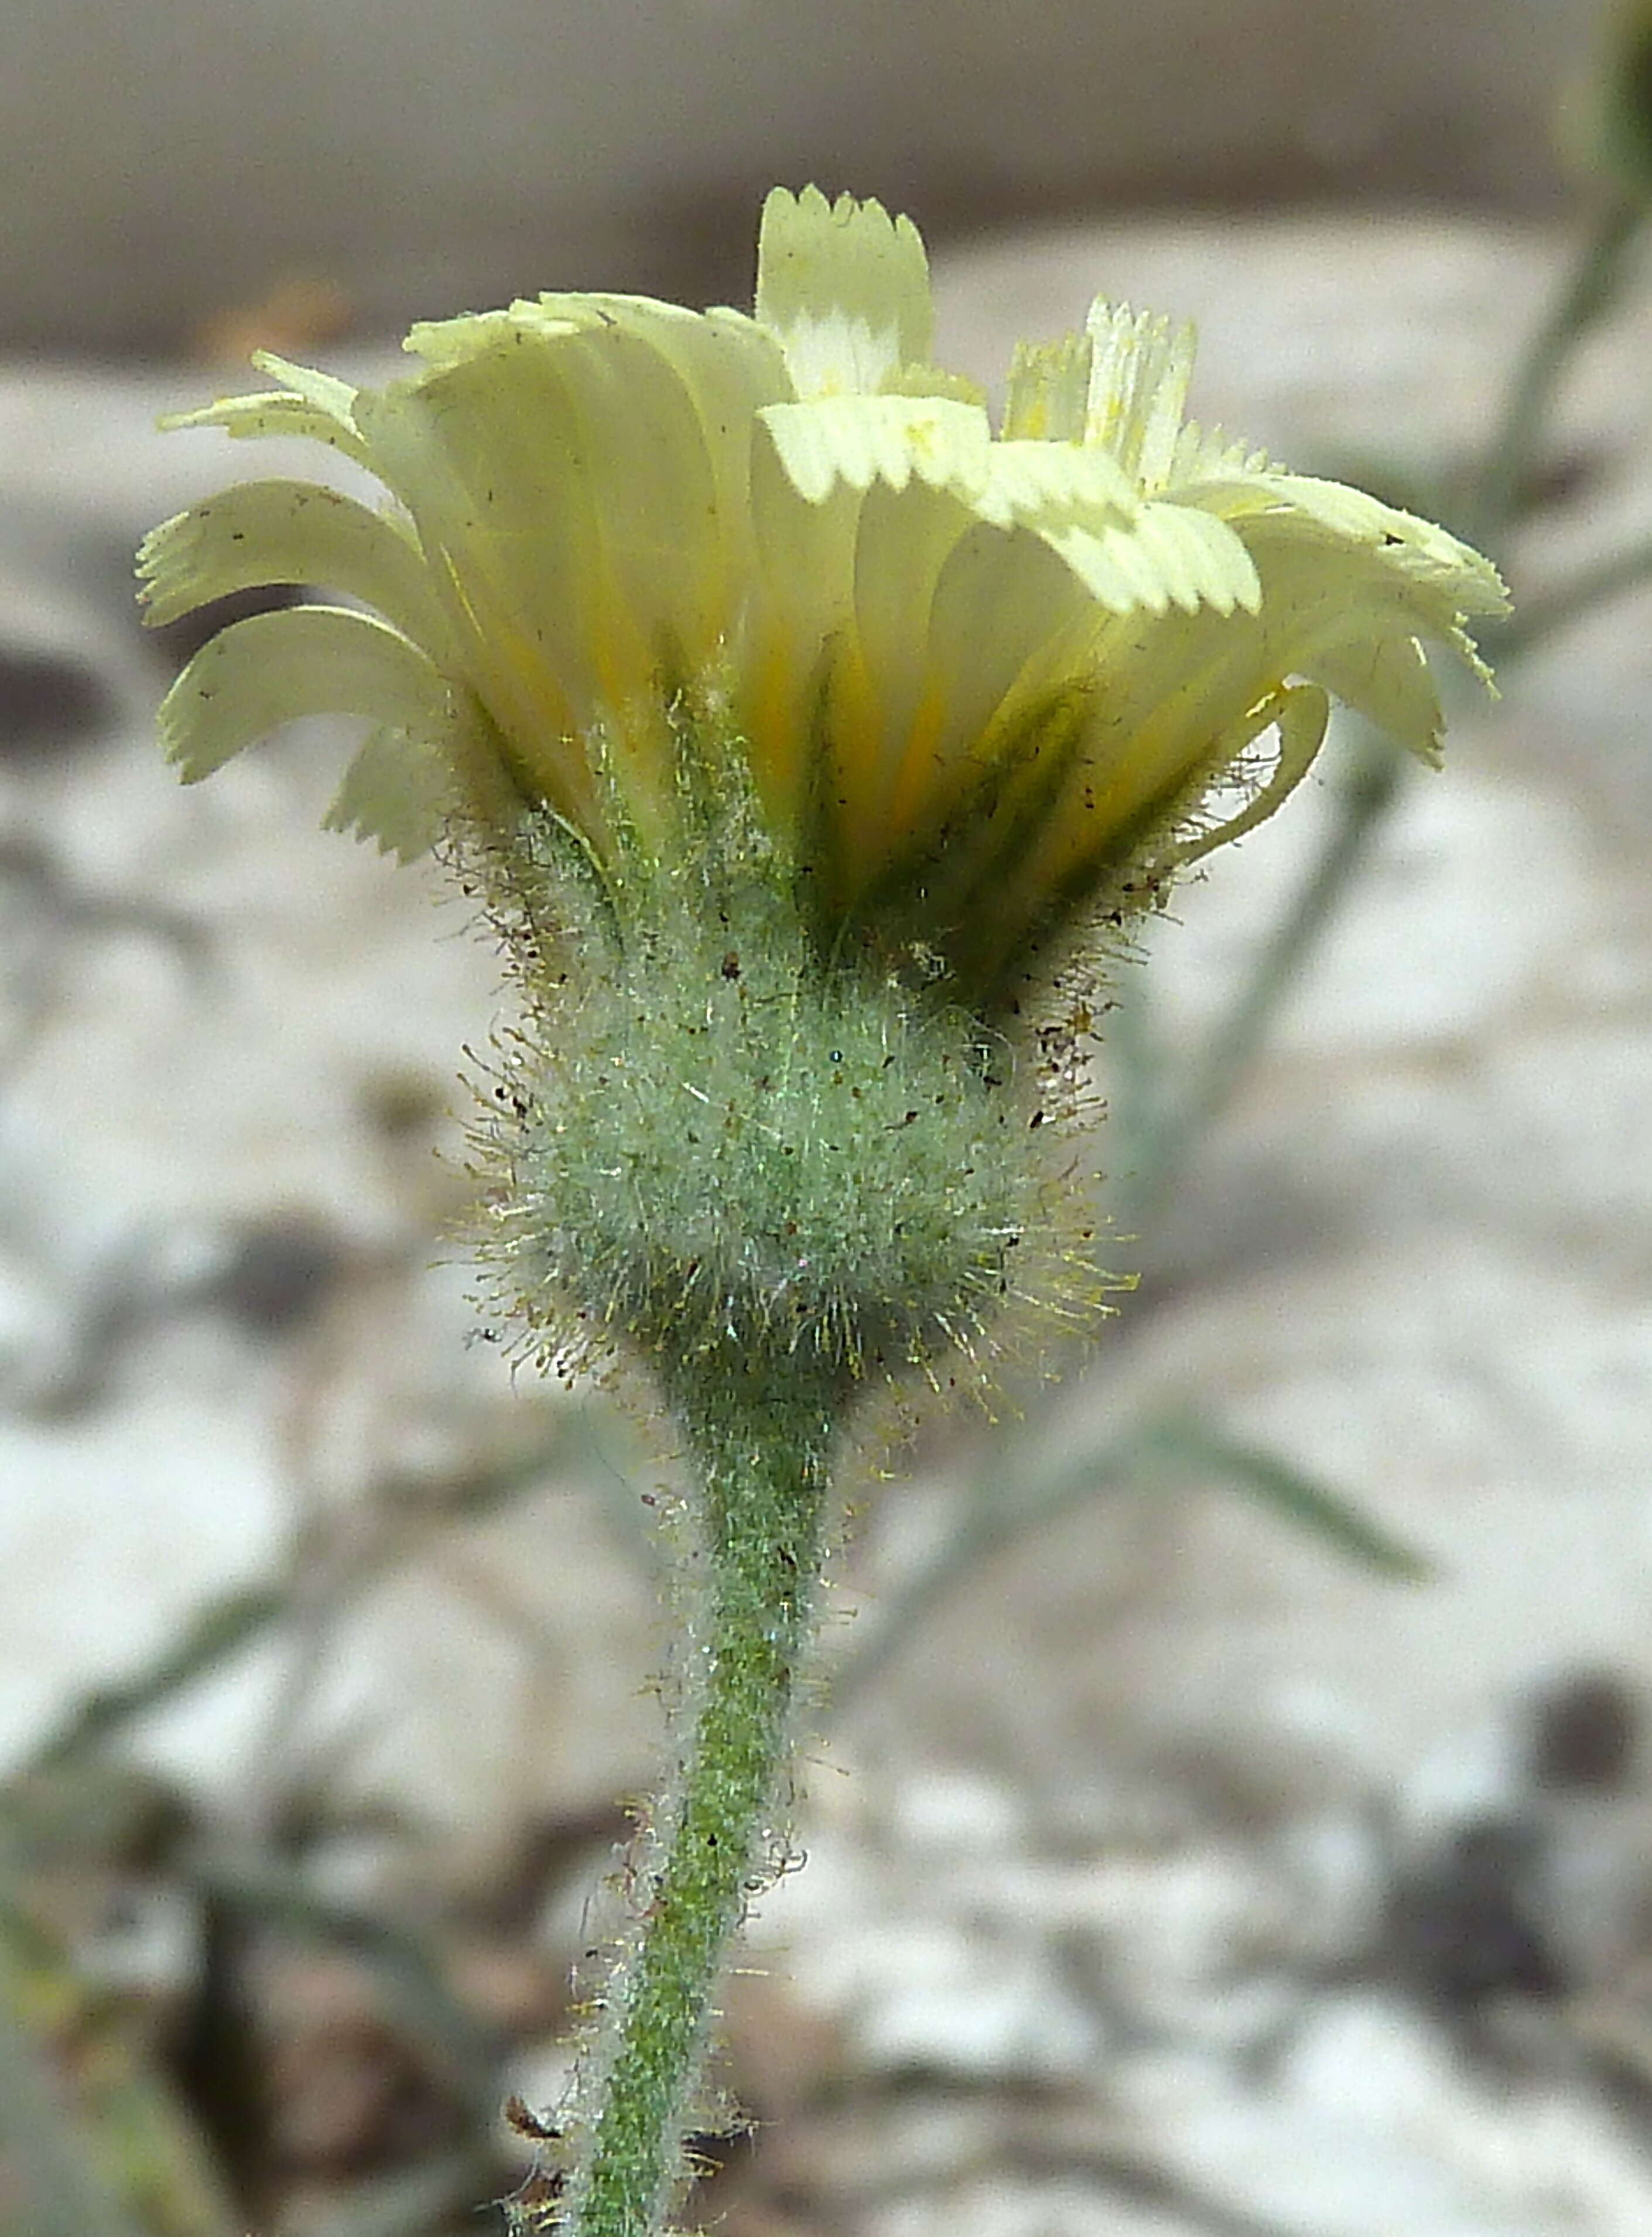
[(1537, 619), (112, 2154), (1004, 1502), (1190, 1444), (217, 1630)]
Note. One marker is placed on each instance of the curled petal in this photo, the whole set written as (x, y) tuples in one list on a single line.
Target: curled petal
[(1388, 680), (1128, 553), (1299, 712), (577, 471), (310, 404), (1405, 545), (861, 440), (1167, 557), (442, 344), (1007, 619), (287, 532), (1048, 485), (279, 668)]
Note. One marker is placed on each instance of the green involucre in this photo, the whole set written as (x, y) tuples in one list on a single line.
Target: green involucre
[(714, 1127)]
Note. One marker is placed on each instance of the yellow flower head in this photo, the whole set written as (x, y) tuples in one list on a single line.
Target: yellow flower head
[(983, 679)]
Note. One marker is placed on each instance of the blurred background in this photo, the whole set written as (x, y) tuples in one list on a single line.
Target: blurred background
[(1228, 1800), (168, 165)]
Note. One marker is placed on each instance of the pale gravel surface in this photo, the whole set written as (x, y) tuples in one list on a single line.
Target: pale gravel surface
[(1124, 1807)]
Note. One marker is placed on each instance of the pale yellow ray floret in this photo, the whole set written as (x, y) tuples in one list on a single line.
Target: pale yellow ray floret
[(974, 668), (845, 288), (1140, 368), (282, 531), (308, 403)]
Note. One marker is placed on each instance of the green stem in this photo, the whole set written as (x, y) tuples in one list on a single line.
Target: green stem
[(758, 1432), (1167, 1138), (1592, 288), (1368, 792), (1537, 619)]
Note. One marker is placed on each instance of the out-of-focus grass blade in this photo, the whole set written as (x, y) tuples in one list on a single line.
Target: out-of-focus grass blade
[(1542, 615), (1006, 1498), (235, 1619), (58, 2194), (1188, 1442), (124, 2160), (995, 1514), (219, 1630)]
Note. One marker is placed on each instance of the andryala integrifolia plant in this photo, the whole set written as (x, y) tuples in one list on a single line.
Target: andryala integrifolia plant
[(814, 742)]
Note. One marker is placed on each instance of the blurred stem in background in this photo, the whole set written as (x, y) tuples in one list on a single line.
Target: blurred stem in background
[(1163, 1114), (1162, 1122), (1591, 291)]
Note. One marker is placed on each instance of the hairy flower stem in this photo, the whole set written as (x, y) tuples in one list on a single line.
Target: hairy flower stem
[(758, 1431)]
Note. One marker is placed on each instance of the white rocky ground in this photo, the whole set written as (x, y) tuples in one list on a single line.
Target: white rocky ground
[(1141, 1880)]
